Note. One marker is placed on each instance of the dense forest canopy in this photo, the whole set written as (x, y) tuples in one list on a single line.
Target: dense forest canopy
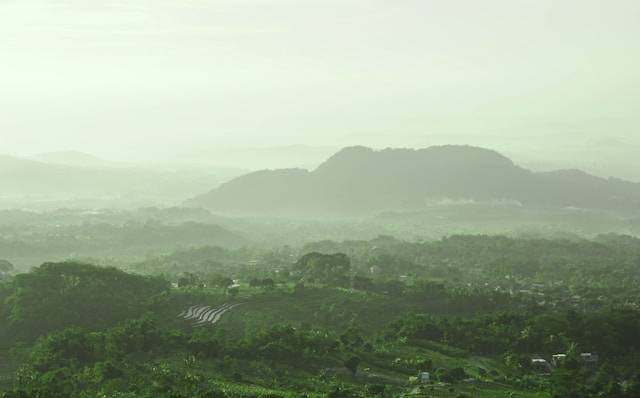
[(480, 314), (58, 295)]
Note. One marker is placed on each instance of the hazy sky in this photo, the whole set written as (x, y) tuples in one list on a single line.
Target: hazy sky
[(160, 78)]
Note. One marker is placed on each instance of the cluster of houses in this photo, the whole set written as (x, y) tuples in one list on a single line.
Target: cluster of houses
[(422, 378), (554, 294), (543, 366)]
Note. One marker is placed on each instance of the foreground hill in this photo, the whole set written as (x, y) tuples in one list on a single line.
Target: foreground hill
[(359, 180)]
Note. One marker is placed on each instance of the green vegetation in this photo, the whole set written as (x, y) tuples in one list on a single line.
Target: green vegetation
[(54, 296), (334, 319)]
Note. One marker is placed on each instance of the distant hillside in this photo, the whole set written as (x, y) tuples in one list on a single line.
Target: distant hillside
[(74, 158), (30, 177), (30, 182), (359, 180)]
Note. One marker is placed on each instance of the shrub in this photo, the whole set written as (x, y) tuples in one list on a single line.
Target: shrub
[(453, 375)]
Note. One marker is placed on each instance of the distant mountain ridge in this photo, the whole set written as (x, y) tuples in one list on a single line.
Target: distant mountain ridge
[(360, 180)]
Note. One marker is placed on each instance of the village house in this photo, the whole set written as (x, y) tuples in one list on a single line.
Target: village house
[(587, 358), (540, 365), (558, 359)]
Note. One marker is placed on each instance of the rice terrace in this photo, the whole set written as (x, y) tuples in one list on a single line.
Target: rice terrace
[(203, 315)]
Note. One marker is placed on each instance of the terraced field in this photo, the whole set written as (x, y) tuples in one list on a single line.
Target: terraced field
[(203, 315)]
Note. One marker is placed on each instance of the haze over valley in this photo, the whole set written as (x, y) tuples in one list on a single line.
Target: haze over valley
[(319, 199)]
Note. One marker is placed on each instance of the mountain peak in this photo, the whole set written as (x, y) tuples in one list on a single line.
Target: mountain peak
[(361, 180), (357, 157)]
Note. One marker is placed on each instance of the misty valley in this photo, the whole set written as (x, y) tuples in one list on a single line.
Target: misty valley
[(319, 199), (448, 271)]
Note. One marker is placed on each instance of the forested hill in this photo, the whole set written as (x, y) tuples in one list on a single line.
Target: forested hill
[(359, 180)]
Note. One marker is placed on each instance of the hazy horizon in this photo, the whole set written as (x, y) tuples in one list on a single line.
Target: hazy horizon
[(159, 80)]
